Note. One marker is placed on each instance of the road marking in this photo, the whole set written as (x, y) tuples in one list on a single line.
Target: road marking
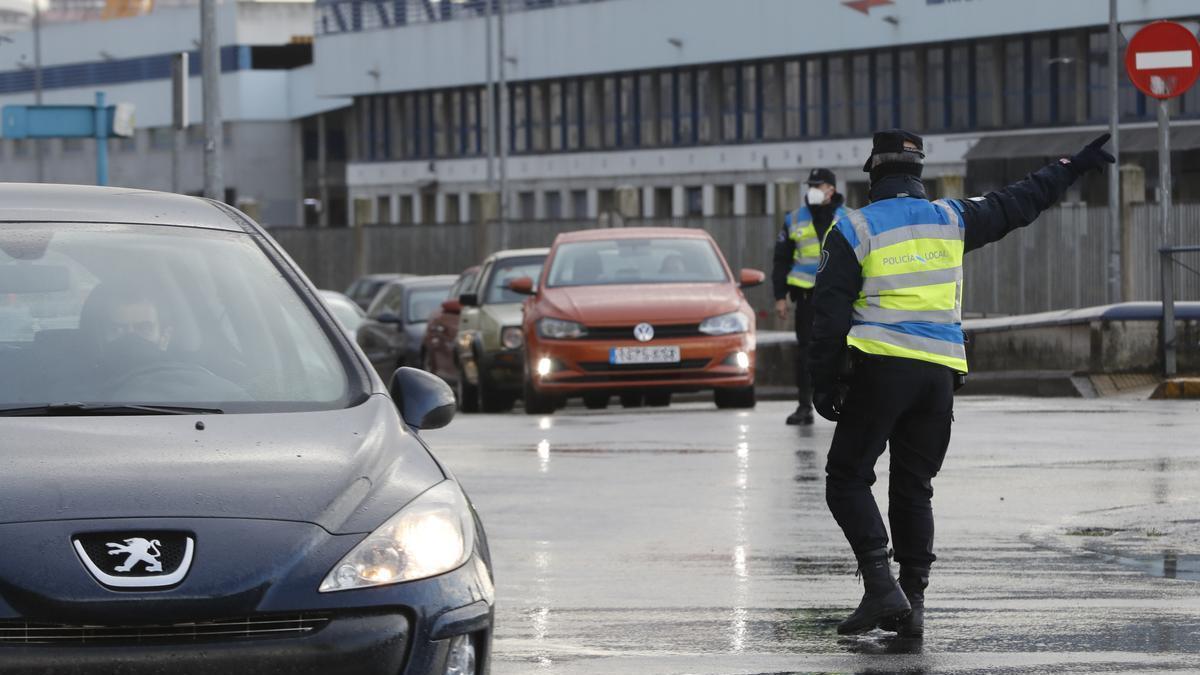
[(1158, 60)]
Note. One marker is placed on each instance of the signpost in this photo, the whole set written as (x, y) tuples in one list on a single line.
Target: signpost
[(1163, 61), (97, 121)]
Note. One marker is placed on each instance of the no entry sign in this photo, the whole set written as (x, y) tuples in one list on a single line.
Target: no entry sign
[(1163, 59)]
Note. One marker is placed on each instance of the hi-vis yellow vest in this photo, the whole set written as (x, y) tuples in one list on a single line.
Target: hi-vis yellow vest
[(806, 257), (911, 253)]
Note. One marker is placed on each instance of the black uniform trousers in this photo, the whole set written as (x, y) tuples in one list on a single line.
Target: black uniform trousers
[(909, 406), (804, 328)]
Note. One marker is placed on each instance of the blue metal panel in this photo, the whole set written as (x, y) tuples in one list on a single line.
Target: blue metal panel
[(118, 71), (75, 121)]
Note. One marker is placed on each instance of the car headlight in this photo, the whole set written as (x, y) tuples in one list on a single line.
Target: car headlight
[(512, 337), (558, 329), (434, 534), (725, 324)]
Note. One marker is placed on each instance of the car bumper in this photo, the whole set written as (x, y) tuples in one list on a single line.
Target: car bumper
[(503, 370), (580, 366), (213, 625)]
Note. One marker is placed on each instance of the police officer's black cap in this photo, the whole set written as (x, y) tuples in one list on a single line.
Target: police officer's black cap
[(888, 145), (819, 176)]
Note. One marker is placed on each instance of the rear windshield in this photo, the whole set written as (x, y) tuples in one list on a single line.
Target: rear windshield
[(126, 314), (423, 301), (663, 260)]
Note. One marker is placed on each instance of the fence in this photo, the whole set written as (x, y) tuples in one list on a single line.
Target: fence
[(1058, 262)]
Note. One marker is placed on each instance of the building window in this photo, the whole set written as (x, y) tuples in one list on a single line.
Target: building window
[(723, 200), (383, 210), (579, 204), (756, 200), (693, 201), (554, 205), (453, 212), (649, 113), (912, 96), (663, 202), (526, 206), (405, 216)]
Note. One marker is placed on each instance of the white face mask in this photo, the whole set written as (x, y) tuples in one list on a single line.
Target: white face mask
[(816, 196)]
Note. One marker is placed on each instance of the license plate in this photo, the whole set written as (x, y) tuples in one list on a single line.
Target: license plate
[(632, 355)]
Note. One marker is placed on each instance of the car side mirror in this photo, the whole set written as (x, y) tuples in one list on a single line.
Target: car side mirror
[(424, 400), (522, 285), (469, 299), (751, 278), (388, 317), (452, 307)]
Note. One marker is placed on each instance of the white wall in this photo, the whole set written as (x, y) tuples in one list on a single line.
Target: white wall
[(620, 35)]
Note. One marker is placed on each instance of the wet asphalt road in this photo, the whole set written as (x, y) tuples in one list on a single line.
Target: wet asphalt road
[(687, 540)]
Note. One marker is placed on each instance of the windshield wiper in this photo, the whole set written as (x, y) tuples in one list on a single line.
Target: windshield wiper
[(83, 410)]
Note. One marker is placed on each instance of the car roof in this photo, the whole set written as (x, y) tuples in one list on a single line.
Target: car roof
[(518, 253), (431, 280), (48, 202), (607, 233)]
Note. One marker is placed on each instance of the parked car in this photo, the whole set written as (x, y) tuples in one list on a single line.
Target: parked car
[(489, 345), (200, 471), (637, 312), (438, 348), (365, 288), (396, 320), (348, 314)]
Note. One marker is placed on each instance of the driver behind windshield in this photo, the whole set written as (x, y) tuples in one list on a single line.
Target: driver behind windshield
[(127, 325)]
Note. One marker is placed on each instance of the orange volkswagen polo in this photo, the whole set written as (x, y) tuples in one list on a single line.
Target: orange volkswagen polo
[(640, 313)]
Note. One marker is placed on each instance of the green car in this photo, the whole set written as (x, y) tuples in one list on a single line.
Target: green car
[(490, 341)]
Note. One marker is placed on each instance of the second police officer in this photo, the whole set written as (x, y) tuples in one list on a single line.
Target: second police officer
[(888, 352), (794, 271)]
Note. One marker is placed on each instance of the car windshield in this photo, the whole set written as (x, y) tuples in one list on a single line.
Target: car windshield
[(423, 301), (664, 260), (348, 314), (504, 272), (128, 314)]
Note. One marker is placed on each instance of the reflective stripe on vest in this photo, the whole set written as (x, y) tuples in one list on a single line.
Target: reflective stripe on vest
[(911, 253), (806, 256)]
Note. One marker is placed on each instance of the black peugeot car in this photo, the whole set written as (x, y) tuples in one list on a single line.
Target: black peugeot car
[(198, 471)]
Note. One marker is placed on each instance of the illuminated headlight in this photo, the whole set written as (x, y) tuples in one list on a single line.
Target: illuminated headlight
[(512, 337), (558, 329), (434, 534), (544, 366), (743, 360), (725, 324)]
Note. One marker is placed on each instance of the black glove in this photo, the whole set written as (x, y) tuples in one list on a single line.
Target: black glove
[(828, 404), (1092, 157)]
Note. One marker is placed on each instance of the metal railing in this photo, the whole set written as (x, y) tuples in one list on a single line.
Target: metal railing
[(1168, 263), (353, 16)]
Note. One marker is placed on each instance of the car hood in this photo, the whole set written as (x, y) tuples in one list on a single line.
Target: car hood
[(630, 304), (507, 314), (343, 470)]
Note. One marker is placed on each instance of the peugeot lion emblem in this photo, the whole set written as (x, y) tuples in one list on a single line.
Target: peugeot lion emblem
[(136, 560), (644, 332)]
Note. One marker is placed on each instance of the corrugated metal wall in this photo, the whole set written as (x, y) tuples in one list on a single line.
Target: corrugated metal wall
[(1058, 262)]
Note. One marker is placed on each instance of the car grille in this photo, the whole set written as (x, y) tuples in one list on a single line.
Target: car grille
[(24, 632), (626, 332), (606, 367)]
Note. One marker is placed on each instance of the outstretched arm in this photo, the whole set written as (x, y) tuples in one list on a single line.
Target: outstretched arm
[(990, 218)]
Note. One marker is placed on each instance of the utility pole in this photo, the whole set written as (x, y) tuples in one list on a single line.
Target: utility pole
[(37, 85), (1114, 171), (214, 136), (490, 98), (179, 117), (504, 122)]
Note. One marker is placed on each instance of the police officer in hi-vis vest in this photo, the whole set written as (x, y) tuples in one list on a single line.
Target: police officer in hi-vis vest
[(888, 353), (797, 254)]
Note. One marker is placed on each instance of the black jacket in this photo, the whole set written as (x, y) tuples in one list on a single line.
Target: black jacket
[(785, 248), (986, 219)]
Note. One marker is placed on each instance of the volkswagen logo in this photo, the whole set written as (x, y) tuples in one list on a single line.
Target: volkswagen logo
[(644, 332)]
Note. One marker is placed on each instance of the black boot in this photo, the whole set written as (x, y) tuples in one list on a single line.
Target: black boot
[(803, 417), (883, 599), (913, 580)]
